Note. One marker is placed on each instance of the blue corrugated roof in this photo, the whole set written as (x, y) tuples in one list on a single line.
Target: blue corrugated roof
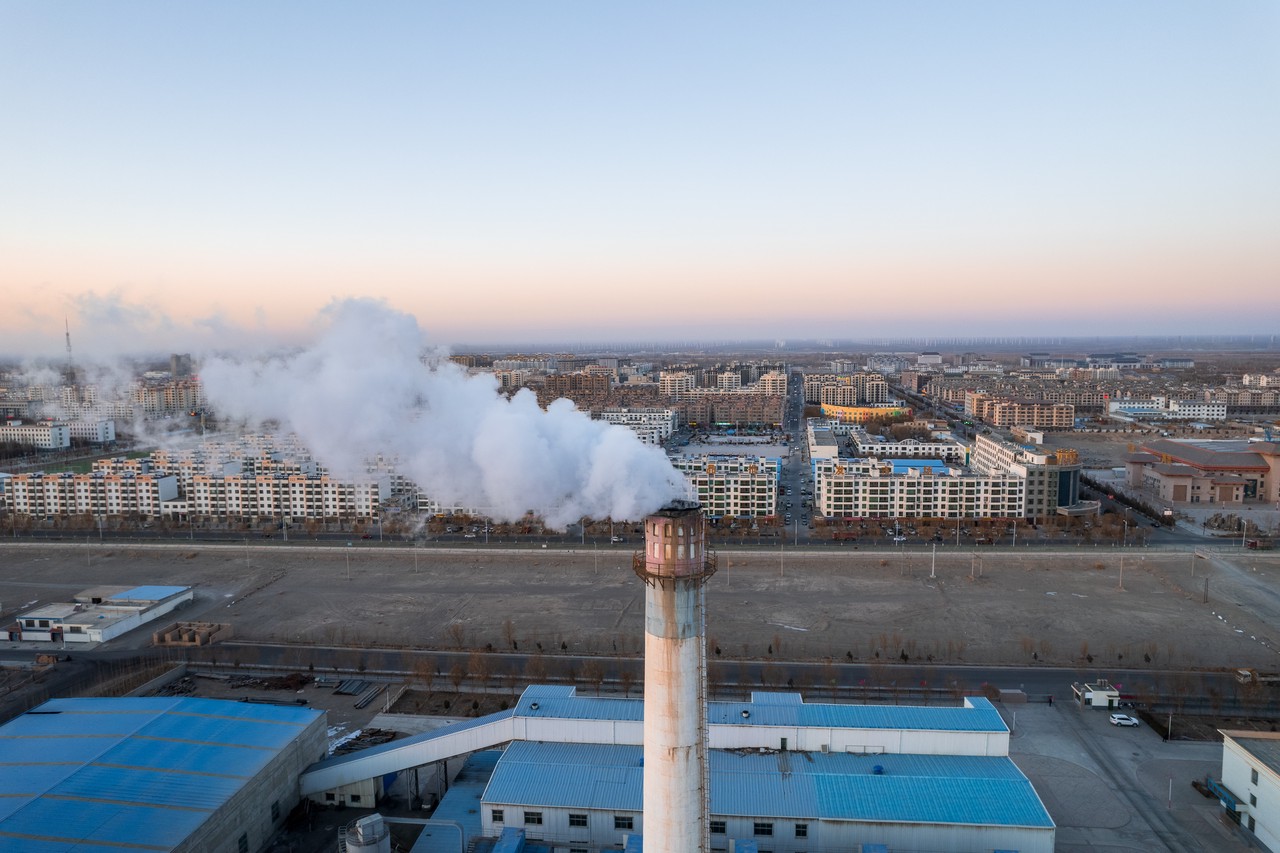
[(86, 774), (775, 709), (607, 776), (946, 789), (461, 806), (152, 592)]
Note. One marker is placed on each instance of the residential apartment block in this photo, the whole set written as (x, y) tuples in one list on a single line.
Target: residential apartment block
[(872, 488), (732, 486)]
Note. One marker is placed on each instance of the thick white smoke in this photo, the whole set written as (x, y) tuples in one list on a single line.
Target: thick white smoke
[(362, 389)]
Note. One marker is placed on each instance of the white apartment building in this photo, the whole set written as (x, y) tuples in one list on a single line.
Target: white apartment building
[(871, 488), (294, 498), (95, 494), (729, 380), (910, 448), (1162, 407), (651, 425), (772, 382), (95, 432), (732, 486), (675, 383), (42, 436)]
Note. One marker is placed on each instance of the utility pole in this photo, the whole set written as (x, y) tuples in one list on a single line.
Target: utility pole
[(933, 562)]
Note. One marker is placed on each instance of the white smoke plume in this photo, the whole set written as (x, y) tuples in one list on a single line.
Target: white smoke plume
[(362, 389)]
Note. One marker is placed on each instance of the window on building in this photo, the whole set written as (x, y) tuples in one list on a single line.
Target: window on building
[(762, 828), (1253, 777), (329, 798), (355, 798), (717, 827), (1253, 799), (623, 822), (802, 830), (496, 815), (533, 818), (577, 820), (243, 843)]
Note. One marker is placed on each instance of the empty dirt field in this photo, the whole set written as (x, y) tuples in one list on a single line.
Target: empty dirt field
[(990, 608)]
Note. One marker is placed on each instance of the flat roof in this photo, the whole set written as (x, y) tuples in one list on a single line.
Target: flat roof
[(461, 805), (152, 592), (50, 611), (99, 774), (772, 709), (1264, 746), (937, 789), (1210, 454)]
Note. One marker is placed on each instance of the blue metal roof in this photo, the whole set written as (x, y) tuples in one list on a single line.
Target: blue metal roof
[(148, 593), (774, 709), (944, 789), (901, 466), (97, 774), (461, 806)]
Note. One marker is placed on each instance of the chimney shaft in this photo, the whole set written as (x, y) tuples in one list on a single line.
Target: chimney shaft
[(675, 566)]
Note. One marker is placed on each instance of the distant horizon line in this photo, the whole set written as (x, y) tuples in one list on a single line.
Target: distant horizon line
[(816, 345)]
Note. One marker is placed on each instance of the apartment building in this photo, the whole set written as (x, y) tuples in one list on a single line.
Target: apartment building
[(41, 436), (744, 408), (880, 447), (674, 384), (732, 486), (773, 382), (873, 488), (1052, 478), (1006, 412), (94, 432), (97, 494), (652, 425)]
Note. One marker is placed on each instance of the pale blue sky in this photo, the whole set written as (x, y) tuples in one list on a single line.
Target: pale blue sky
[(574, 170)]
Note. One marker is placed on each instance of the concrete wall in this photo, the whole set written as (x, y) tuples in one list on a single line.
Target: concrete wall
[(248, 812)]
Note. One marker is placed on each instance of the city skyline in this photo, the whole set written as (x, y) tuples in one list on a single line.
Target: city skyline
[(203, 177)]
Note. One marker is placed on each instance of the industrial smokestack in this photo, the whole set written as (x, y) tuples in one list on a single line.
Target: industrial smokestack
[(675, 567)]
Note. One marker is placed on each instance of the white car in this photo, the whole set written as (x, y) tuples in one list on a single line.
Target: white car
[(899, 539), (1123, 720)]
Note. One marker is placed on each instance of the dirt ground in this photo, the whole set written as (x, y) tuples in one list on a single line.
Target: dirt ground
[(996, 607)]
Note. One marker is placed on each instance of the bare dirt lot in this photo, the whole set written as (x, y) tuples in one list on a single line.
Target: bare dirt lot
[(998, 607)]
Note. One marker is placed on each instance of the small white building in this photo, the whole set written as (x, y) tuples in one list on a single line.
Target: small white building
[(100, 614), (1249, 789)]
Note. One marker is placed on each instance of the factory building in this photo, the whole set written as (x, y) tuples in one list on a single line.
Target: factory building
[(784, 774), (172, 774)]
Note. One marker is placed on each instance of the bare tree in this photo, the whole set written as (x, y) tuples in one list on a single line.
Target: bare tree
[(593, 672), (457, 632), (536, 669), (628, 679), (481, 668), (457, 675)]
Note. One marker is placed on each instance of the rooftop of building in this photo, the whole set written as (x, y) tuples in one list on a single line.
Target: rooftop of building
[(1264, 746), (1213, 454), (99, 774), (937, 789)]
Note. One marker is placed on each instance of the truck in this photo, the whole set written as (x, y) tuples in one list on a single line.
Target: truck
[(1252, 676), (1258, 544)]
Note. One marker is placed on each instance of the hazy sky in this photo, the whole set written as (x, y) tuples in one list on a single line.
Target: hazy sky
[(174, 175)]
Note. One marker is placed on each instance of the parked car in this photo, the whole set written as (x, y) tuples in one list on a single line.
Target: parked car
[(616, 539), (1123, 720)]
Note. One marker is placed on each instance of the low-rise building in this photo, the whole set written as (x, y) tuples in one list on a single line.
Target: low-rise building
[(100, 614), (42, 436), (1249, 790)]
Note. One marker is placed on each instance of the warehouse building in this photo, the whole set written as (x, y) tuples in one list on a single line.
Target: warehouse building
[(1249, 789), (785, 775), (162, 774)]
